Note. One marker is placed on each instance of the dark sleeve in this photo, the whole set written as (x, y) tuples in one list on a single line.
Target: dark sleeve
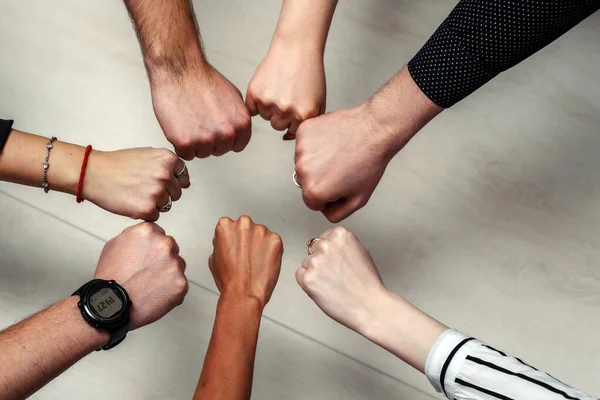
[(482, 38), (5, 127)]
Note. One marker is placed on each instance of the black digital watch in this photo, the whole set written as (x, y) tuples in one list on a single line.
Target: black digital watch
[(105, 305)]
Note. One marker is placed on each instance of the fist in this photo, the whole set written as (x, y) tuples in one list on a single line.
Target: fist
[(288, 87), (201, 113), (246, 259), (134, 182), (340, 158), (147, 264), (341, 278)]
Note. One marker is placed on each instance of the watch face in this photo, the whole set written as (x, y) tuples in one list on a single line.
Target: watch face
[(106, 303)]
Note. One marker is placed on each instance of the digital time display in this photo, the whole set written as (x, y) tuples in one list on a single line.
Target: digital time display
[(106, 303)]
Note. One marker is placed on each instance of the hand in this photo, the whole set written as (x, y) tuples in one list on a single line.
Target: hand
[(134, 182), (246, 259), (340, 158), (201, 113), (341, 277), (147, 264), (288, 87)]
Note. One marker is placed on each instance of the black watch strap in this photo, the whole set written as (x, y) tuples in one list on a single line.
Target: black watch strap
[(118, 332)]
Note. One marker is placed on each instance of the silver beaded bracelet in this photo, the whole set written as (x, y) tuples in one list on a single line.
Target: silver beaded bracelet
[(46, 165)]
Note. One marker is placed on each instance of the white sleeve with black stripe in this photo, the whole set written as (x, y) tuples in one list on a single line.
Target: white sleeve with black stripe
[(461, 367)]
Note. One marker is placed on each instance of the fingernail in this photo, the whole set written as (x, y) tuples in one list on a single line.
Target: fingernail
[(289, 136)]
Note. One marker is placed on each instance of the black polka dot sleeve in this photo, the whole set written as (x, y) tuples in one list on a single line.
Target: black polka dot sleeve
[(482, 38), (5, 127)]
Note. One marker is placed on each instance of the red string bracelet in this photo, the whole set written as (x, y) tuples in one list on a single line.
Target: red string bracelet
[(79, 198)]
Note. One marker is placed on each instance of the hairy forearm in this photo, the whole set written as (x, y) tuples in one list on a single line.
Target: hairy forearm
[(43, 346), (229, 363), (23, 155), (400, 109), (168, 35), (402, 329), (305, 23)]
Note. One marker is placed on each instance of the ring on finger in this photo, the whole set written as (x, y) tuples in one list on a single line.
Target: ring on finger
[(310, 243), (166, 207), (183, 172), (294, 178)]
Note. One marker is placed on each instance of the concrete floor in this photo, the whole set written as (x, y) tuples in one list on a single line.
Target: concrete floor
[(489, 220)]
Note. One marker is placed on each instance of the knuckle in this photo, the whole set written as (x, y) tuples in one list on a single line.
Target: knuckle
[(185, 142), (244, 121), (245, 220), (146, 211), (182, 286), (227, 132), (305, 113), (154, 192), (277, 240), (310, 279), (169, 157), (167, 244), (334, 219), (164, 174), (312, 192), (339, 232), (302, 168), (145, 228)]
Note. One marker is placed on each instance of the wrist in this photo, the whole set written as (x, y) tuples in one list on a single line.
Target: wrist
[(65, 167), (399, 110), (401, 328), (95, 174), (249, 305), (164, 64), (370, 321), (90, 337), (299, 42)]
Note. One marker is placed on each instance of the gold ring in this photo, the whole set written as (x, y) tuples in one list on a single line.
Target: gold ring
[(310, 243)]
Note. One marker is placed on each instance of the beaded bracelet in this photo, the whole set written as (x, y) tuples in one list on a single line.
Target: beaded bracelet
[(46, 165)]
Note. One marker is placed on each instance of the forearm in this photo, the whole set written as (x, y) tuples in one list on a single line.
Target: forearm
[(401, 328), (43, 346), (229, 362), (481, 38), (304, 23), (399, 110), (22, 157), (168, 36)]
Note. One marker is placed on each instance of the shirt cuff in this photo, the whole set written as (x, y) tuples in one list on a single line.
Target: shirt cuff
[(5, 127), (448, 346)]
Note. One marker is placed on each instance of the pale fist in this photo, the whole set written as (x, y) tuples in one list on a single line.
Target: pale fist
[(147, 264), (341, 278), (340, 158), (288, 87), (134, 182), (246, 259), (201, 113)]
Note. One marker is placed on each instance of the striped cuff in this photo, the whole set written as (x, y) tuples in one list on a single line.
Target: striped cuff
[(449, 345)]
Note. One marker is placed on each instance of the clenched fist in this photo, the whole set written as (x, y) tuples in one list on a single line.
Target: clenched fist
[(246, 259), (134, 182), (341, 277), (340, 158), (147, 264), (288, 87), (201, 113)]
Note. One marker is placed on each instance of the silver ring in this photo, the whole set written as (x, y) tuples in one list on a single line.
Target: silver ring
[(166, 207), (183, 172), (294, 176), (310, 243)]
